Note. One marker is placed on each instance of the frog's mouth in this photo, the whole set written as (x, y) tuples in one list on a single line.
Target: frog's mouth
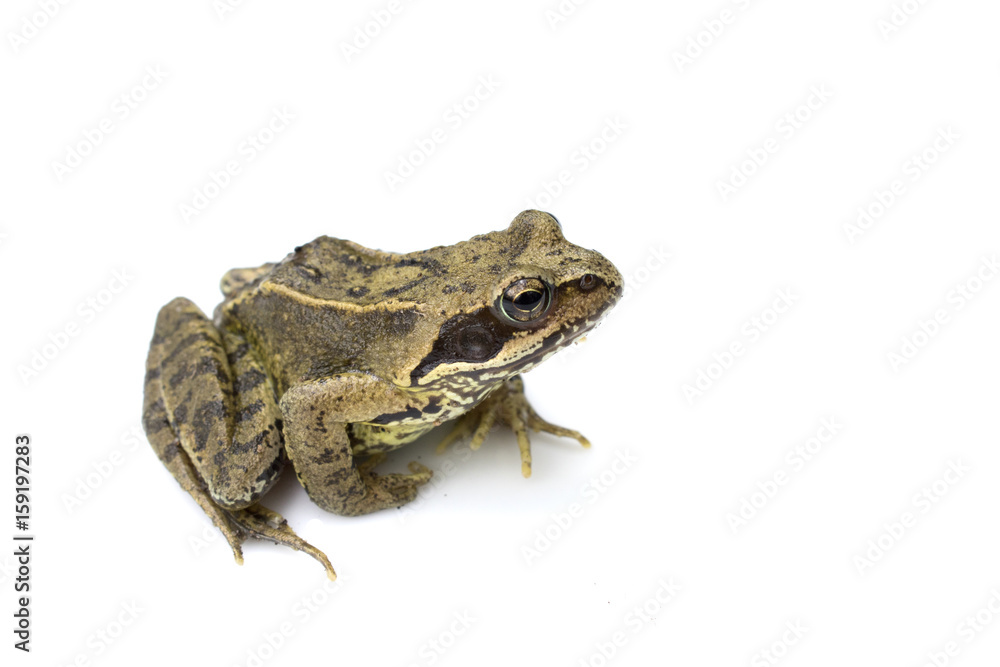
[(557, 340)]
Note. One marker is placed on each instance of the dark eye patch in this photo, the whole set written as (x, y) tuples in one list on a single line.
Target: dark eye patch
[(472, 337)]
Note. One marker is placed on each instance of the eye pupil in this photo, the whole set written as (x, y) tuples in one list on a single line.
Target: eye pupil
[(525, 300)]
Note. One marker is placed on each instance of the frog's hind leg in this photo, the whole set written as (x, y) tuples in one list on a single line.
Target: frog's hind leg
[(236, 525), (167, 446), (211, 416)]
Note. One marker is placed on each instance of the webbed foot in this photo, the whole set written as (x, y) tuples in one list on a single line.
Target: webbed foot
[(264, 524)]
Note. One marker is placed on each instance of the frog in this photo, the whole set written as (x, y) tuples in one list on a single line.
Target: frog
[(338, 354)]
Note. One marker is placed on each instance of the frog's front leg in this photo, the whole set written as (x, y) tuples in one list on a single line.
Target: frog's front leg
[(317, 415), (211, 416), (508, 404)]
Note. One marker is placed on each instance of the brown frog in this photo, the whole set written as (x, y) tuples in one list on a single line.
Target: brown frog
[(339, 353)]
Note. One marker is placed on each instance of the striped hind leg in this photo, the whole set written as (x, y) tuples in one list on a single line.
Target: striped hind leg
[(167, 446), (210, 413)]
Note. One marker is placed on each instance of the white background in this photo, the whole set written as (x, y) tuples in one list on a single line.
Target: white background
[(134, 538)]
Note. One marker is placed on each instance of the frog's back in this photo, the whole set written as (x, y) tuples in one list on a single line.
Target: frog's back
[(342, 271), (331, 306)]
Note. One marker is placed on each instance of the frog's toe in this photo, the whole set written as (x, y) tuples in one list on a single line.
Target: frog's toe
[(518, 413), (538, 424), (369, 463), (523, 444), (486, 420), (418, 476), (463, 427), (476, 423), (509, 405), (264, 524), (235, 537), (395, 489), (420, 473)]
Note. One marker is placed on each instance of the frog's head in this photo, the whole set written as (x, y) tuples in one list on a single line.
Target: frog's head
[(536, 293)]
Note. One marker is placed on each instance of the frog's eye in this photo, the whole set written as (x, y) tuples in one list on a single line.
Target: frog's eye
[(525, 300)]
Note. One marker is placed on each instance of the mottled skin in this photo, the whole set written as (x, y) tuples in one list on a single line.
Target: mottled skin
[(339, 353)]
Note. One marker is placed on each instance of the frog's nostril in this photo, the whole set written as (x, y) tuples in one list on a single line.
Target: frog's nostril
[(588, 281)]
